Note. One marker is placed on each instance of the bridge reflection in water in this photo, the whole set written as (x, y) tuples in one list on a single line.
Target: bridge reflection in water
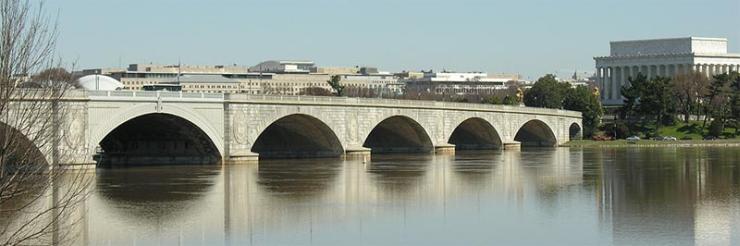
[(609, 196)]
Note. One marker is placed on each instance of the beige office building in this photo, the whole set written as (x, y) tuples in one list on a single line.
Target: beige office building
[(270, 77)]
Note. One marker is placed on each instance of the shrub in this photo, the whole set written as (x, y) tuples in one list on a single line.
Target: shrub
[(716, 128)]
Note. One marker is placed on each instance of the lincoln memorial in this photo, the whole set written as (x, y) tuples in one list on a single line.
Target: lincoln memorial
[(660, 57)]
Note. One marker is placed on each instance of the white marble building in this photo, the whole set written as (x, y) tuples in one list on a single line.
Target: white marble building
[(660, 57)]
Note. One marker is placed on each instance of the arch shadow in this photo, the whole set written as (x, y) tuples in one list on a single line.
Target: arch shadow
[(151, 195), (297, 136), (118, 118), (398, 134), (536, 133), (475, 134), (575, 132), (19, 153), (157, 139)]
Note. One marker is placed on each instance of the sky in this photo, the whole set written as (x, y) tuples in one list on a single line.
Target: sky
[(529, 37)]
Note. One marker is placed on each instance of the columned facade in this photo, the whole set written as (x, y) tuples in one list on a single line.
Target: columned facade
[(661, 57)]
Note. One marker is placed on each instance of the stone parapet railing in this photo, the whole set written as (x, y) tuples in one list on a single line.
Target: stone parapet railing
[(319, 100)]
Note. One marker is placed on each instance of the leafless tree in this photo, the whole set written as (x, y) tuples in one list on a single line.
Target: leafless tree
[(37, 198), (689, 88)]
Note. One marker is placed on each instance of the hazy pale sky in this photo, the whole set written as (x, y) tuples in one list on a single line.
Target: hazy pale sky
[(531, 37)]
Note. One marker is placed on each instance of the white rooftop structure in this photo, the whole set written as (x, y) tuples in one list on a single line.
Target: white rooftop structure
[(688, 45), (283, 67), (462, 77), (98, 82)]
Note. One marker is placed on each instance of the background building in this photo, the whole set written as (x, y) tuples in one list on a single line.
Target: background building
[(269, 77), (460, 84), (283, 67), (660, 57)]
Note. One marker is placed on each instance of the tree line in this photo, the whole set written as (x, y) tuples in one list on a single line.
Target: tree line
[(548, 92), (653, 103)]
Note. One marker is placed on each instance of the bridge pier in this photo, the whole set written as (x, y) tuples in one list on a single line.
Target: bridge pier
[(512, 146), (444, 149), (358, 153), (244, 158)]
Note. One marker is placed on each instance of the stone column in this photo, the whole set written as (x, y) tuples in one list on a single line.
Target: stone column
[(626, 73), (618, 78), (600, 79), (612, 80), (609, 79), (606, 84)]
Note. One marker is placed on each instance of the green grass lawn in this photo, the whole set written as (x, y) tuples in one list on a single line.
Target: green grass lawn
[(692, 130), (624, 143), (690, 133)]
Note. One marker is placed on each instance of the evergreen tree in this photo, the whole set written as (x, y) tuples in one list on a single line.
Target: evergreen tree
[(336, 83), (735, 107), (657, 101), (631, 94), (583, 99), (719, 98), (547, 92)]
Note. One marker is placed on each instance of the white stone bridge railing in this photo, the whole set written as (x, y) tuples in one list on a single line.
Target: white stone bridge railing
[(150, 94), (395, 103), (325, 100)]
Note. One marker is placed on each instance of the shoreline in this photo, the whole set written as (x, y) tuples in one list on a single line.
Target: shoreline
[(653, 143)]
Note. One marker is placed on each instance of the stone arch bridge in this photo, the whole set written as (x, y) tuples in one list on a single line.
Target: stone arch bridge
[(123, 127)]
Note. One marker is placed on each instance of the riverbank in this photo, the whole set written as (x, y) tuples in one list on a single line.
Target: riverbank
[(653, 143)]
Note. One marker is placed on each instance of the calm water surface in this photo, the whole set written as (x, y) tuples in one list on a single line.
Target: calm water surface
[(625, 196)]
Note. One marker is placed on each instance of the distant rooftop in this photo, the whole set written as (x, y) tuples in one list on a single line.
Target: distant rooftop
[(685, 45), (204, 78)]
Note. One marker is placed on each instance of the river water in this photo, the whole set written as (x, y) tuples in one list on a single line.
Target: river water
[(563, 196)]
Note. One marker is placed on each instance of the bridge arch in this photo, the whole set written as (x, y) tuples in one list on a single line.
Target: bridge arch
[(297, 136), (536, 133), (180, 128), (398, 134), (475, 134)]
